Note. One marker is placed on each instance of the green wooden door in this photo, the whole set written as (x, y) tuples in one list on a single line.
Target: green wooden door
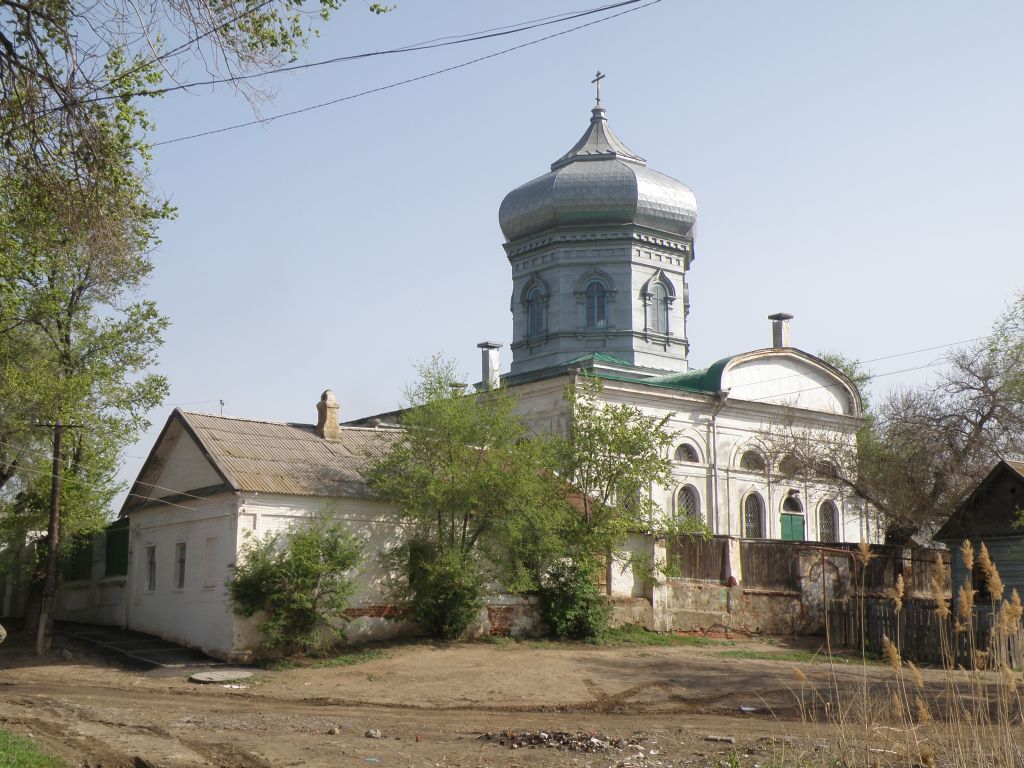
[(792, 527)]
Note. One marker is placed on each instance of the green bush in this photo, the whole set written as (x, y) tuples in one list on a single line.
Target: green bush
[(302, 581), (447, 590), (572, 603)]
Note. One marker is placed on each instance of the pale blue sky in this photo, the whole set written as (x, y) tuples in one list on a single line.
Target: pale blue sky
[(857, 165)]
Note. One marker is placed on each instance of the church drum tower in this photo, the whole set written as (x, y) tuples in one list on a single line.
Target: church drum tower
[(599, 249)]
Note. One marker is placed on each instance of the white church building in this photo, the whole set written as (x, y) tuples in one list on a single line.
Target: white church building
[(599, 249)]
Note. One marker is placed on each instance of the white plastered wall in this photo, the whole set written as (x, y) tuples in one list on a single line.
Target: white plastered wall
[(196, 614), (759, 397), (376, 523)]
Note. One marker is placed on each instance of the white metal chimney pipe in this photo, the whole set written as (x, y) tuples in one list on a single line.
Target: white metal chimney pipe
[(780, 329), (490, 364)]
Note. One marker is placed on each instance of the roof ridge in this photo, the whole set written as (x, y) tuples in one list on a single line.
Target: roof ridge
[(284, 423), (245, 418)]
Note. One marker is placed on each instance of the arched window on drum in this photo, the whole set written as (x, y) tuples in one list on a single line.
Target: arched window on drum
[(595, 305), (659, 308), (534, 313)]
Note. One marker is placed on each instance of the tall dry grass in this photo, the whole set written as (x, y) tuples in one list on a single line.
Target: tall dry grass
[(964, 713)]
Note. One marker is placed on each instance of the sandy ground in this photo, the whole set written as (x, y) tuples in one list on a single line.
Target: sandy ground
[(433, 706)]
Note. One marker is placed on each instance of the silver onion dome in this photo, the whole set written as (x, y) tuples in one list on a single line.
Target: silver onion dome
[(599, 181)]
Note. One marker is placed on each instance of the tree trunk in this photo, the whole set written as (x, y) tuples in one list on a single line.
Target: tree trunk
[(52, 533)]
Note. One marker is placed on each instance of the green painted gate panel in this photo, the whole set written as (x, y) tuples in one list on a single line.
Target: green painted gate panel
[(792, 527)]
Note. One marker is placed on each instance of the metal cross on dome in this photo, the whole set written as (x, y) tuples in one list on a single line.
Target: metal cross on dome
[(597, 82)]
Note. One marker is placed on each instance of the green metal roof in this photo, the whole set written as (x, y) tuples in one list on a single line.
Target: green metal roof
[(706, 380), (598, 357)]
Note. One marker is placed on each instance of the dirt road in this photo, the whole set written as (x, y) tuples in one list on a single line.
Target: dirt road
[(432, 704)]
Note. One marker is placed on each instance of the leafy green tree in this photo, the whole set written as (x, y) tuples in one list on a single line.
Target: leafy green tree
[(479, 496), (614, 456), (58, 58), (74, 259), (301, 581)]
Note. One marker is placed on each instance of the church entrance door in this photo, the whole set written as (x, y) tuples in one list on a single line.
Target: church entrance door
[(792, 527)]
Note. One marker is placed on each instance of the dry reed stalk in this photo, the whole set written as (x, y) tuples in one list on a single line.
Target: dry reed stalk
[(896, 594), (941, 609), (923, 715), (965, 604), (992, 578), (892, 656), (915, 674), (864, 553), (967, 553)]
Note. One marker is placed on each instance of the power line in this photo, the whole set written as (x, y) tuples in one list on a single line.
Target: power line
[(85, 466), (932, 364), (871, 360), (435, 73), (80, 481), (442, 42)]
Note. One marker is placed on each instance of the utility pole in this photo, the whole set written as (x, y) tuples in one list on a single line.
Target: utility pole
[(52, 535)]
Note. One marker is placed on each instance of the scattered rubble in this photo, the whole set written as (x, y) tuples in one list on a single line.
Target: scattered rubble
[(721, 739), (571, 742), (374, 733)]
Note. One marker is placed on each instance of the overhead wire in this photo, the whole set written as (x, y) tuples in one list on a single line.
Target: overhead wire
[(870, 360), (421, 46), (932, 364), (47, 454), (407, 81)]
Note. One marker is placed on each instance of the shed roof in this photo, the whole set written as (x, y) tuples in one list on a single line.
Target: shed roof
[(274, 457), (992, 508)]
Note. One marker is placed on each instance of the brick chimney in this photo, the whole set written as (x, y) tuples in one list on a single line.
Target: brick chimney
[(780, 329), (327, 416)]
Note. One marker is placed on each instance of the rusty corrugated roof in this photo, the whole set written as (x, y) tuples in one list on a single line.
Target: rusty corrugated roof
[(277, 457)]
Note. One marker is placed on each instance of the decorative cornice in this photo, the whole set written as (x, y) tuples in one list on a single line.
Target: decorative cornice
[(678, 245)]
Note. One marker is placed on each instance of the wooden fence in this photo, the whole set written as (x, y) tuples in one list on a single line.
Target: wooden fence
[(771, 565), (693, 557), (920, 634)]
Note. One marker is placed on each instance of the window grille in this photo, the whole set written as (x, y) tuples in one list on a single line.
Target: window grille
[(828, 522), (753, 517), (792, 504), (688, 503), (753, 461), (687, 454), (789, 466)]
